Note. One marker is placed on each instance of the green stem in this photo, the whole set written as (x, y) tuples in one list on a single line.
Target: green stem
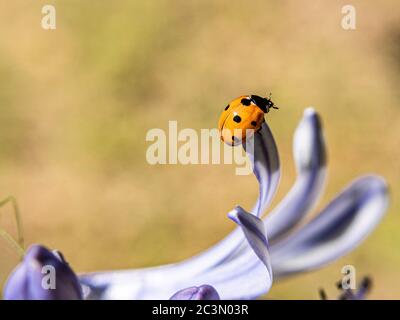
[(6, 236), (18, 245)]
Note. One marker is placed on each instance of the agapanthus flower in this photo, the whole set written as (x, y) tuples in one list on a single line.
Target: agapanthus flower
[(28, 281), (244, 264)]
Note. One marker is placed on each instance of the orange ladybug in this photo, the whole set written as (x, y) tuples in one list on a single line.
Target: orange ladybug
[(242, 114)]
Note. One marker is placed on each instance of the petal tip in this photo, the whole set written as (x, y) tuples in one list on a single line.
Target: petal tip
[(234, 214), (310, 111)]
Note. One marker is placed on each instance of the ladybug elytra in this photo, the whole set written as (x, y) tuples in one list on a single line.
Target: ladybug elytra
[(241, 115)]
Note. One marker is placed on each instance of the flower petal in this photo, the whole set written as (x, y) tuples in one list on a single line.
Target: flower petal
[(254, 231), (266, 168), (339, 228), (310, 158), (204, 292), (27, 280)]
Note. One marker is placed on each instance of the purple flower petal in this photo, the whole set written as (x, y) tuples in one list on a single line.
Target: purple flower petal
[(26, 281), (204, 292)]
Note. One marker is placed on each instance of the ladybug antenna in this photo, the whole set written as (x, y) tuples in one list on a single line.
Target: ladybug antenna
[(270, 103)]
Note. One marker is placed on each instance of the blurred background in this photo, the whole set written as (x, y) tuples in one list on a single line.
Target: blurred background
[(76, 104)]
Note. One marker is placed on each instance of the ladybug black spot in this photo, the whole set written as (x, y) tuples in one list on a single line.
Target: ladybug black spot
[(227, 107), (237, 118), (253, 123), (245, 102)]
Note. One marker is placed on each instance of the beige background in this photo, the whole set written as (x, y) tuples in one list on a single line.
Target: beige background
[(76, 103)]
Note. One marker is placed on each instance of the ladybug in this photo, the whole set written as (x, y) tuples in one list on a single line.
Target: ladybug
[(242, 114)]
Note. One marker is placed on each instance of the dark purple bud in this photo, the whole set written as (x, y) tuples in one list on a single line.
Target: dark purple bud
[(204, 292), (349, 294), (359, 294), (42, 275)]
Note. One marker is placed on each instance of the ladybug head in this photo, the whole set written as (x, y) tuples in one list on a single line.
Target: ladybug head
[(264, 103)]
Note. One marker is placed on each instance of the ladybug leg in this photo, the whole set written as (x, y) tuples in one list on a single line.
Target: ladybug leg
[(263, 121)]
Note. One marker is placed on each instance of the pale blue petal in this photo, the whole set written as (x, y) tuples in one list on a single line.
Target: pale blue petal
[(254, 231), (310, 159), (338, 229)]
